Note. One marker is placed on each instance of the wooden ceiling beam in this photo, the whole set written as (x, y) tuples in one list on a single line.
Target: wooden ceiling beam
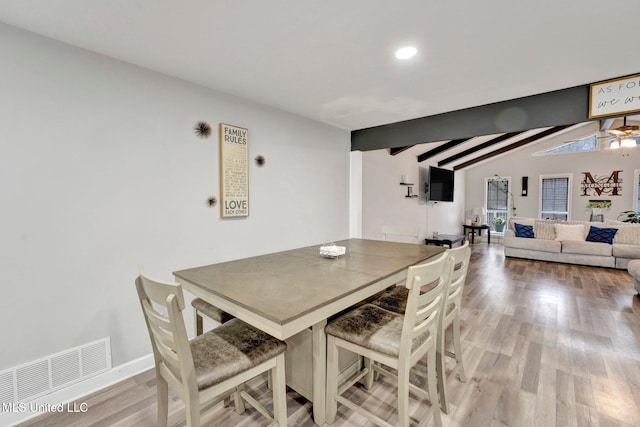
[(441, 148), (513, 146), (478, 147), (397, 150)]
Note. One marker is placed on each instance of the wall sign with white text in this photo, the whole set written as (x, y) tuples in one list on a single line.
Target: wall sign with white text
[(234, 171), (614, 97)]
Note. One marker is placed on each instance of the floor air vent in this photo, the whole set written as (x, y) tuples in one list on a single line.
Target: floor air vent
[(43, 376)]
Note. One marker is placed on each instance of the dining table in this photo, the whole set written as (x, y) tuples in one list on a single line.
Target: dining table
[(292, 294)]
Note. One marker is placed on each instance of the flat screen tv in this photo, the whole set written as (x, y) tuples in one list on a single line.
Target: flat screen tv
[(440, 185)]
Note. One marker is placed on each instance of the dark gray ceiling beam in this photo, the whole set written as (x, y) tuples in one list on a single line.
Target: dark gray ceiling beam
[(561, 107)]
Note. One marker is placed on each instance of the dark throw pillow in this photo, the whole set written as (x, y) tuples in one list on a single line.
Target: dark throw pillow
[(602, 235), (524, 230)]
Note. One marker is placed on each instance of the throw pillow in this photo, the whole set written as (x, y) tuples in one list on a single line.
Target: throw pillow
[(602, 235), (523, 230), (628, 234), (569, 232), (544, 229), (608, 221), (519, 220)]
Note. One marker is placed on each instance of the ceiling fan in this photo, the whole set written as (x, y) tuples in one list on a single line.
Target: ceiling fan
[(623, 136)]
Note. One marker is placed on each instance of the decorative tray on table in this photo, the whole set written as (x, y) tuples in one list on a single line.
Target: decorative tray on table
[(331, 250)]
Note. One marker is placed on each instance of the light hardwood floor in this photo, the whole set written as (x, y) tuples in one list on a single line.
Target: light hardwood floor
[(545, 344)]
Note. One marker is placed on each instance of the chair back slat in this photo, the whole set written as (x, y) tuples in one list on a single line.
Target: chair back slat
[(167, 331), (423, 309), (461, 256), (161, 320), (427, 317), (159, 291), (429, 307), (163, 338), (169, 357), (161, 326), (165, 342)]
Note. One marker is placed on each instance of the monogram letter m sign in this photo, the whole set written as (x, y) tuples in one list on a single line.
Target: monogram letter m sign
[(611, 185)]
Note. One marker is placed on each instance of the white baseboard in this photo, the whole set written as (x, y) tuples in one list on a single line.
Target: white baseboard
[(62, 400)]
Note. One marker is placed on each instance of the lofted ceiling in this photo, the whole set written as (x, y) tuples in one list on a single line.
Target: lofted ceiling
[(333, 61), (463, 153)]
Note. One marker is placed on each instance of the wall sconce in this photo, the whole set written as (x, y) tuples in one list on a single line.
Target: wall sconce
[(525, 185)]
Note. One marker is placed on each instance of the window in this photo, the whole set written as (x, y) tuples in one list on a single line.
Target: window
[(589, 143), (497, 190), (554, 196)]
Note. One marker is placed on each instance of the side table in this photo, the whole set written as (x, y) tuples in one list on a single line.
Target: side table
[(479, 228), (445, 239)]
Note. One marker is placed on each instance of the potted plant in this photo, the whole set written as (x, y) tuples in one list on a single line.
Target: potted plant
[(601, 204), (596, 207), (499, 223), (629, 216)]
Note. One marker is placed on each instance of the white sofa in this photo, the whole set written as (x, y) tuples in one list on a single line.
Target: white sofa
[(551, 244)]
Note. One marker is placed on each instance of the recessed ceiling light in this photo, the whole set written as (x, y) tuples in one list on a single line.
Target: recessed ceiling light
[(406, 52)]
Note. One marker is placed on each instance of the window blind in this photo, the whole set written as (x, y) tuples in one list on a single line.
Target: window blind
[(497, 195), (555, 195)]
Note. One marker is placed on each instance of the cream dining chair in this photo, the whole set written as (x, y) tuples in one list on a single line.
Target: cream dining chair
[(393, 340), (394, 299), (208, 368)]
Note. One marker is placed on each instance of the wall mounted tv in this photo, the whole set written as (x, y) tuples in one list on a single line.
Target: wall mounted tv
[(440, 185)]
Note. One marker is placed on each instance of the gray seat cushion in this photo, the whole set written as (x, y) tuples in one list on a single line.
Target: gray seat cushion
[(230, 349), (393, 299), (622, 250), (372, 327), (211, 311), (586, 248), (533, 244)]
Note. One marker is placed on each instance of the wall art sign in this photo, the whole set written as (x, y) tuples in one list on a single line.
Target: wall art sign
[(234, 171), (614, 97), (597, 185)]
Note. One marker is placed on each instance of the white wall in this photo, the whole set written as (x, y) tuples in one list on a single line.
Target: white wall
[(384, 201), (519, 163), (355, 195), (100, 173), (447, 218)]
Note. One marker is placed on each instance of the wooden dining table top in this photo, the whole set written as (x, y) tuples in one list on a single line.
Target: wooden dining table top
[(284, 286)]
